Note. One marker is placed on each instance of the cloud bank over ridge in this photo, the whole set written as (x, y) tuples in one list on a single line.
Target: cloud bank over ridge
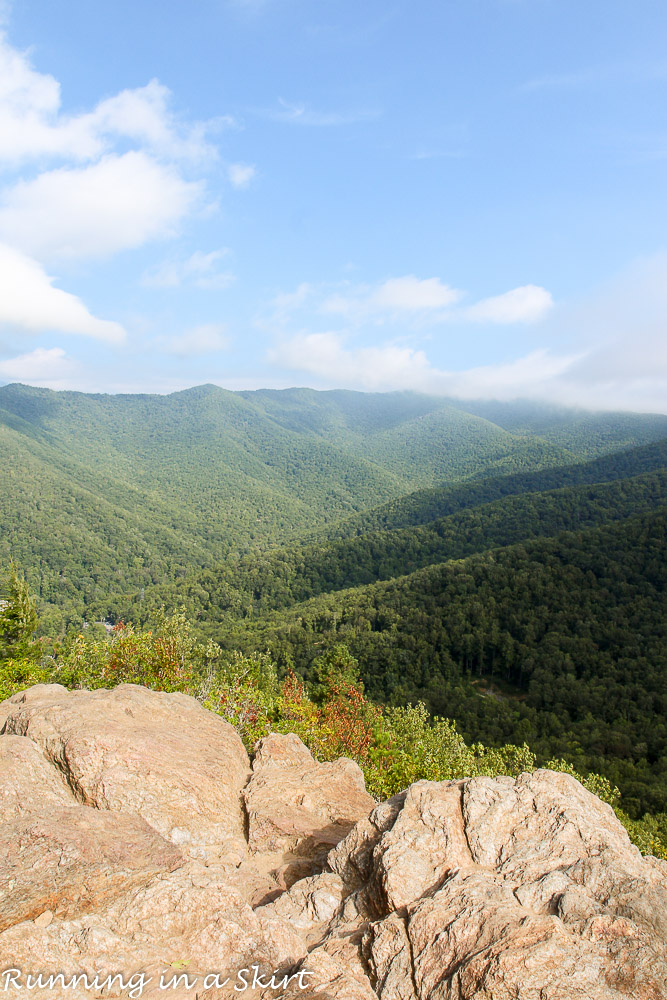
[(613, 354)]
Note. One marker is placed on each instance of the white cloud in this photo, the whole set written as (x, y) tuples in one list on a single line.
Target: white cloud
[(421, 301), (144, 115), (624, 325), (200, 270), (32, 125), (325, 355), (28, 301), (240, 174), (411, 293), (286, 302), (115, 204), (43, 366), (613, 352), (394, 366), (29, 104), (395, 298), (396, 295), (527, 304), (121, 183), (208, 338), (530, 376), (94, 183)]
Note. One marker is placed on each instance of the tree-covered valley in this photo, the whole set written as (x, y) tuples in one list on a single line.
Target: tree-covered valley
[(504, 564)]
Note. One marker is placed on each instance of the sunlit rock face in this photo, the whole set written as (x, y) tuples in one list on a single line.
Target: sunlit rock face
[(136, 840)]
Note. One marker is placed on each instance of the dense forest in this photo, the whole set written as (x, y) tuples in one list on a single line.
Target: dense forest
[(561, 642), (503, 563), (262, 582)]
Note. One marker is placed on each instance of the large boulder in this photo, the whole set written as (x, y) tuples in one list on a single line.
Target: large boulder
[(73, 860), (159, 755), (27, 781), (181, 923), (122, 842), (501, 888)]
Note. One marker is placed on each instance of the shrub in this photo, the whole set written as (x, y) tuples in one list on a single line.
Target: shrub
[(165, 657)]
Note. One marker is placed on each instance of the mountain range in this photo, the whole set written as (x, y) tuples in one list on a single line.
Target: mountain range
[(503, 562)]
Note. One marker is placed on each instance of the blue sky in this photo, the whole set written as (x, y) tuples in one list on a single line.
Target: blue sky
[(456, 196)]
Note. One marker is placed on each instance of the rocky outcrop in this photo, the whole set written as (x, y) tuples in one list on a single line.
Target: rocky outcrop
[(74, 860), (159, 755), (296, 804), (135, 840), (494, 888)]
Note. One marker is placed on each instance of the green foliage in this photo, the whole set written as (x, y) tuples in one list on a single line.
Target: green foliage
[(507, 564), (101, 496), (424, 506), (17, 675), (165, 657), (576, 430), (335, 667), (19, 653), (292, 574), (245, 692), (18, 619), (412, 746), (649, 834), (394, 746)]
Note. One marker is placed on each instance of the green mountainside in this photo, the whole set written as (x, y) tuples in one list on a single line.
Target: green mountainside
[(504, 563), (425, 505), (420, 439), (260, 582), (107, 494), (574, 429)]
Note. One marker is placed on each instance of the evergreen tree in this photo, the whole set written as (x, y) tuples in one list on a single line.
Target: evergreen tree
[(18, 619)]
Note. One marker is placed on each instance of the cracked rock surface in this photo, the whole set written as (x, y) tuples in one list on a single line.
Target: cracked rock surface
[(135, 838)]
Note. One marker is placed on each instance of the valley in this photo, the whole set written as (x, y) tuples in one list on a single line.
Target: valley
[(503, 563)]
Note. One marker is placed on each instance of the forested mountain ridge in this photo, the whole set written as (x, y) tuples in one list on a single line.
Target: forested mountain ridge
[(569, 427), (260, 582), (419, 438), (344, 411), (293, 574), (105, 495), (430, 503)]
